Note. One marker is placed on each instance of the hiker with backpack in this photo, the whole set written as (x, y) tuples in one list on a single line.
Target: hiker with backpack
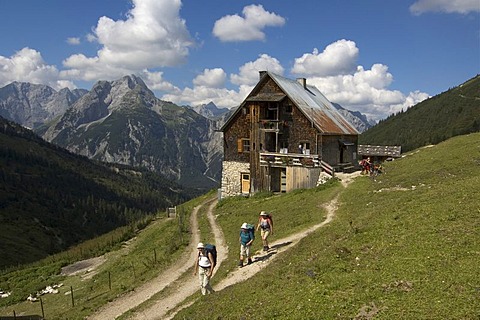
[(247, 235), (205, 263), (265, 222)]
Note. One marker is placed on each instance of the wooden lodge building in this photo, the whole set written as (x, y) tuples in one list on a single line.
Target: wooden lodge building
[(282, 136)]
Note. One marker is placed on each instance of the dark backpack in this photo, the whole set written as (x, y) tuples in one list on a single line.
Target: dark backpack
[(251, 228), (211, 248)]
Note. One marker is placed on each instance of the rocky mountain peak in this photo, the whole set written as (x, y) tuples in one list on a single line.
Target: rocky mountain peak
[(210, 110)]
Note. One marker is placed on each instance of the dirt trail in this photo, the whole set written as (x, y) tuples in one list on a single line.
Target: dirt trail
[(132, 299), (190, 287), (170, 305)]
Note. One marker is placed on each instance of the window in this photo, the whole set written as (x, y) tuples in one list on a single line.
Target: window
[(243, 145), (288, 108)]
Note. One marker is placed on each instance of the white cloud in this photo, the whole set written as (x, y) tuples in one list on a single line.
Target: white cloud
[(339, 57), (249, 72), (367, 91), (222, 98), (73, 41), (152, 35), (210, 85), (27, 65), (155, 81), (212, 78), (247, 28), (447, 6)]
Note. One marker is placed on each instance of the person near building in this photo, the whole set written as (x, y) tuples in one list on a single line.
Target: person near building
[(246, 239), (265, 223)]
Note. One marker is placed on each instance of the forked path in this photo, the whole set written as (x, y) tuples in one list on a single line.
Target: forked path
[(191, 285), (261, 259), (168, 306), (124, 303)]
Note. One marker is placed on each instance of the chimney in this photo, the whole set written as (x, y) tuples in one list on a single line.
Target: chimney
[(262, 73), (303, 82)]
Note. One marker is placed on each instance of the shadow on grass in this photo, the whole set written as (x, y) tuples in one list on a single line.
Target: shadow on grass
[(279, 245), (270, 253)]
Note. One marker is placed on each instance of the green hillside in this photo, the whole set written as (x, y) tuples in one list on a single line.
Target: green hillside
[(451, 113), (403, 246), (52, 199)]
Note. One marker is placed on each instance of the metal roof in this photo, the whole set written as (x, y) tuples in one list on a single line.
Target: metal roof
[(310, 101), (314, 105)]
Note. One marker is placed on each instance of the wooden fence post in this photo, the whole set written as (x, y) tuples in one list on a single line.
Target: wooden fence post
[(41, 304), (73, 301), (109, 281)]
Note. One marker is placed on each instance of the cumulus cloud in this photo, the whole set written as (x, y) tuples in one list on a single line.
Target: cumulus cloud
[(446, 6), (367, 91), (247, 27), (152, 35), (209, 86), (212, 78), (155, 81), (222, 97), (249, 72), (27, 65), (339, 57)]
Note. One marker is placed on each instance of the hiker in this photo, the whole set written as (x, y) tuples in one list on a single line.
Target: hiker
[(204, 264), (265, 222), (246, 238), (366, 166)]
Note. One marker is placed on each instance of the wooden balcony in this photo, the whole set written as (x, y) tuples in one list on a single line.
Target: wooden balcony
[(274, 159)]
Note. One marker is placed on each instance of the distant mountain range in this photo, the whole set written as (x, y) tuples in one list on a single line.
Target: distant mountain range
[(123, 122)]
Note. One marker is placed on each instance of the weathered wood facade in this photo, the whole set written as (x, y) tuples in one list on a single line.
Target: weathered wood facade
[(279, 136), (379, 153)]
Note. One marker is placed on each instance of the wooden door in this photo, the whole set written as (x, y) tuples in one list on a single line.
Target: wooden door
[(245, 183)]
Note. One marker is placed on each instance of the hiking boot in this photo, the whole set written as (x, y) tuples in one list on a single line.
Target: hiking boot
[(265, 248), (240, 263), (249, 261)]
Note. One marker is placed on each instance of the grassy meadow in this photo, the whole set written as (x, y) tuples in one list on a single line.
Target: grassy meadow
[(403, 246)]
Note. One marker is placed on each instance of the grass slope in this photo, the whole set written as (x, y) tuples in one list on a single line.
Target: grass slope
[(402, 247)]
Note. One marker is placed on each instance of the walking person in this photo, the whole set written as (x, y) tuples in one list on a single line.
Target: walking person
[(204, 264), (266, 224), (246, 238)]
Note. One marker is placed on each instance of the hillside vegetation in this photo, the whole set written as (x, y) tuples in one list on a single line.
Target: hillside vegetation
[(402, 246), (451, 113), (52, 199)]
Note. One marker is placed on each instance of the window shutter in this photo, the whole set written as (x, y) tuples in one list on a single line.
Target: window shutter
[(240, 145)]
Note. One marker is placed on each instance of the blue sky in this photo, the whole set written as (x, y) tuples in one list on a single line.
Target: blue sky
[(373, 56)]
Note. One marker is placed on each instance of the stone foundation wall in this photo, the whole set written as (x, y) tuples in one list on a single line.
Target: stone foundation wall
[(231, 177)]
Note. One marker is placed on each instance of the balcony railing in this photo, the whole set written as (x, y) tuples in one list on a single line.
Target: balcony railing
[(289, 159)]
